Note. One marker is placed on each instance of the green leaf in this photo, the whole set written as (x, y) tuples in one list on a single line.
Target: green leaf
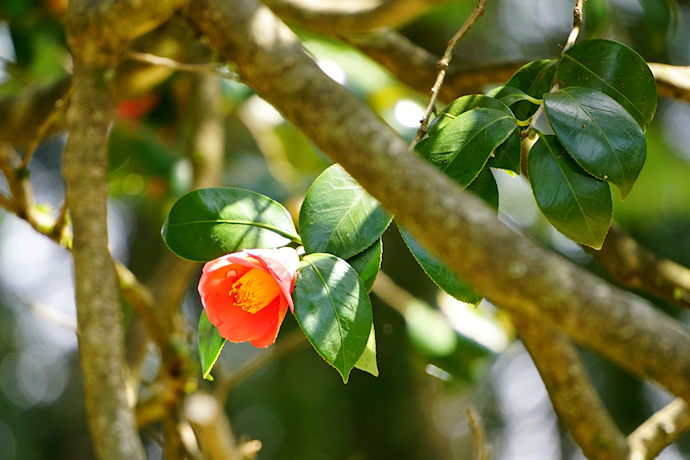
[(210, 345), (535, 79), (576, 203), (507, 155), (509, 95), (368, 263), (465, 104), (462, 147), (615, 70), (333, 309), (339, 217), (367, 362), (439, 273), (599, 134), (208, 223), (485, 187)]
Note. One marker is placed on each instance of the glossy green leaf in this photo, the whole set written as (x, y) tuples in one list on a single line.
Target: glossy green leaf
[(210, 345), (509, 95), (367, 362), (333, 309), (576, 203), (339, 217), (462, 147), (602, 137), (439, 273), (535, 79), (208, 223), (485, 187), (465, 104), (507, 155), (615, 70), (368, 263)]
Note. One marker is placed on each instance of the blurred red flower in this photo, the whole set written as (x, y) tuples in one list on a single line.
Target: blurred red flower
[(246, 294)]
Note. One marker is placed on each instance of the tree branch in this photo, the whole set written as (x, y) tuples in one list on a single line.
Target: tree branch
[(416, 67), (635, 267), (672, 81), (513, 271), (571, 391), (101, 340), (351, 17), (659, 431)]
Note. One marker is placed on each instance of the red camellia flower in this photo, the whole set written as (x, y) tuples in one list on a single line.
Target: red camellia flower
[(246, 294)]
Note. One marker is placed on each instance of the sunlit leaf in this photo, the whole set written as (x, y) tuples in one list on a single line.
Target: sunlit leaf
[(339, 217), (210, 345), (367, 362), (462, 147), (333, 309), (208, 223)]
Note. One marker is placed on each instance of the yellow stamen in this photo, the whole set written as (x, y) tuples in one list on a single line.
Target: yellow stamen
[(254, 290)]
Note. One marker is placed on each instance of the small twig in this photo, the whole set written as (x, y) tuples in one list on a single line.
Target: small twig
[(577, 25), (152, 59), (442, 67), (482, 450), (659, 431), (44, 128), (54, 316), (572, 38)]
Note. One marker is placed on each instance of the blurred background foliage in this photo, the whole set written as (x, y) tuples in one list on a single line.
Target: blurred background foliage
[(436, 356)]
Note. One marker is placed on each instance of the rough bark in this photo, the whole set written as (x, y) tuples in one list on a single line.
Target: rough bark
[(101, 339)]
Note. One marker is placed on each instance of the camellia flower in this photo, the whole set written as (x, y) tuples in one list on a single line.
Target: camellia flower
[(246, 294)]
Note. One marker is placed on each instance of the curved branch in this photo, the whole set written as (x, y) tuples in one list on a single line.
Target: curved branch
[(637, 268), (513, 271), (416, 67), (343, 17), (660, 430), (571, 391)]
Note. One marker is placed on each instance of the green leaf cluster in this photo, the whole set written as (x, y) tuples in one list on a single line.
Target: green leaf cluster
[(599, 98)]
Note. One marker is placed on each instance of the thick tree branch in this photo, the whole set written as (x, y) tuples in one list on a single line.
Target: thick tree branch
[(101, 340), (97, 33), (416, 67), (348, 17), (571, 391), (512, 270), (635, 267), (659, 431), (107, 27)]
